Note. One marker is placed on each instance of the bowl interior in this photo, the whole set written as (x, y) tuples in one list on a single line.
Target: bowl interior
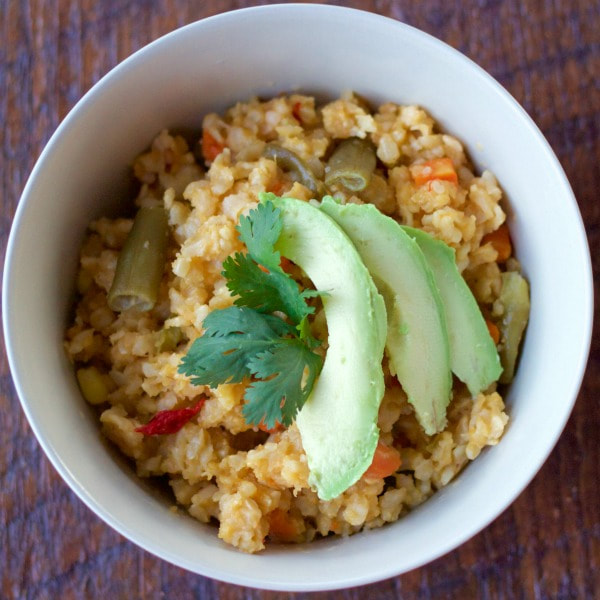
[(209, 65)]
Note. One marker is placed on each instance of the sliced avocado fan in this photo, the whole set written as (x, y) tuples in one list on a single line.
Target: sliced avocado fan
[(417, 340), (338, 422), (473, 355)]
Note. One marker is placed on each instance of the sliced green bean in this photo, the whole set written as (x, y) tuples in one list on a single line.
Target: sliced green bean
[(167, 339), (352, 164), (514, 298), (141, 262), (299, 170)]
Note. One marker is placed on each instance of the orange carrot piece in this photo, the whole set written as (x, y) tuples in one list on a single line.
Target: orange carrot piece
[(436, 168), (285, 264), (386, 461), (278, 426), (500, 240), (296, 111), (494, 331), (282, 526), (211, 147), (277, 187)]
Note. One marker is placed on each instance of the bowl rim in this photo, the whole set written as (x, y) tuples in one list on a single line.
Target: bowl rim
[(353, 579)]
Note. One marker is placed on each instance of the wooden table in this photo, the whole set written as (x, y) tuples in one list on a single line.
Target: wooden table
[(547, 544)]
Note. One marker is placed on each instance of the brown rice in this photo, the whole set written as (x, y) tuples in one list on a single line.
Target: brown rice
[(219, 468)]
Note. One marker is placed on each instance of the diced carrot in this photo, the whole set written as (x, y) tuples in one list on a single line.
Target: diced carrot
[(282, 526), (436, 168), (494, 331), (278, 426), (296, 111), (386, 461), (285, 264), (500, 240), (277, 187), (211, 147)]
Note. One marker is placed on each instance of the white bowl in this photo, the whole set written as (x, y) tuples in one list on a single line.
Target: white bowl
[(207, 66)]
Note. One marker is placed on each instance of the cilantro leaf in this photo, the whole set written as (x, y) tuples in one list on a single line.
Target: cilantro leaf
[(248, 340), (266, 292), (260, 231), (267, 288), (233, 336), (283, 388), (236, 319)]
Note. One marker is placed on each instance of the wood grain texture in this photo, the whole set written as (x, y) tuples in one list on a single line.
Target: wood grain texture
[(547, 544)]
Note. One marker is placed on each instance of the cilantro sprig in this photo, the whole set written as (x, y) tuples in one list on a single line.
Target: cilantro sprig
[(247, 341), (257, 277)]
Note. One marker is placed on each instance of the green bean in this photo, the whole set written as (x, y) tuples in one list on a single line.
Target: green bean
[(291, 162), (141, 262), (352, 164), (92, 385), (167, 339), (514, 299)]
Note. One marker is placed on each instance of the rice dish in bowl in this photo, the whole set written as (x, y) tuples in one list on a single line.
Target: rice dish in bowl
[(250, 479), (82, 176)]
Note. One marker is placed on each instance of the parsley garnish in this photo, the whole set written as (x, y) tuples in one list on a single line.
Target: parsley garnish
[(248, 341)]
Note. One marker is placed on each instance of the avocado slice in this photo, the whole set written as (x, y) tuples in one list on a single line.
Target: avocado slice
[(417, 341), (338, 422), (473, 355)]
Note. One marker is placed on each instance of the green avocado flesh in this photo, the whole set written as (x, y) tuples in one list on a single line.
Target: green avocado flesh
[(338, 422), (473, 355), (417, 340)]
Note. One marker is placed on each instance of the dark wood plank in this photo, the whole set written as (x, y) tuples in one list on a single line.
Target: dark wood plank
[(547, 544)]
